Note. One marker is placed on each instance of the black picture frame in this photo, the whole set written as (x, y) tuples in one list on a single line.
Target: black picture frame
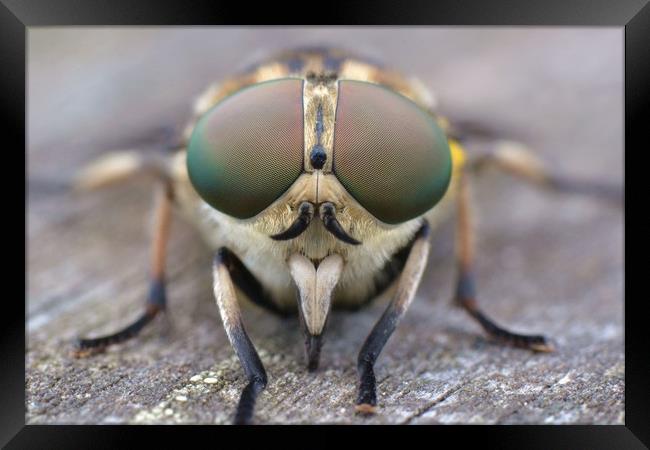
[(633, 15)]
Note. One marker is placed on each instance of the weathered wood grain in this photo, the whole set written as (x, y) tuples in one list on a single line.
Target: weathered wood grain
[(546, 263)]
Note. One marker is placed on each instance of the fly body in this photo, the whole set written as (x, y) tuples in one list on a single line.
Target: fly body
[(314, 82), (317, 177)]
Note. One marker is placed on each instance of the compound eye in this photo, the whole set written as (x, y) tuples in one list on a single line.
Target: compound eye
[(247, 150), (389, 153)]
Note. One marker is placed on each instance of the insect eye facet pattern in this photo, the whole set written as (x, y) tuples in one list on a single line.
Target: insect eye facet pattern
[(247, 150), (319, 179)]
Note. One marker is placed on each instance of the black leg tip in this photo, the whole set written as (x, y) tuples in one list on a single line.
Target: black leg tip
[(542, 344), (534, 343), (246, 406), (86, 347), (241, 421), (312, 366), (365, 409), (313, 345), (157, 297)]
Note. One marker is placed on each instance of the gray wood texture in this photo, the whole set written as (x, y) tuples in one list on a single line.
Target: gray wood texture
[(546, 262)]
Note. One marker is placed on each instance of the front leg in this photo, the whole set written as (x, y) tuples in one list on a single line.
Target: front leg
[(518, 160), (408, 282), (224, 291), (156, 299), (465, 289)]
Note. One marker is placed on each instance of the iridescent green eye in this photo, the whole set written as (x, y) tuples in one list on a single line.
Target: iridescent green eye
[(248, 150), (389, 153)]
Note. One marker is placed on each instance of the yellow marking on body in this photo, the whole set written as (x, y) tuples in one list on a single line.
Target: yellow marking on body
[(356, 70), (361, 71), (271, 71), (312, 63), (458, 155)]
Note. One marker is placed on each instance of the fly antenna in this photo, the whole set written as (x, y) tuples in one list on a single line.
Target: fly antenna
[(305, 214), (327, 213)]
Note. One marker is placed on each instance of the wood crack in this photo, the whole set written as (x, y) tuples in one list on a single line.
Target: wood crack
[(445, 395)]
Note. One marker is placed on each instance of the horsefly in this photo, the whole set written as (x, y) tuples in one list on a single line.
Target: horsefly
[(318, 176)]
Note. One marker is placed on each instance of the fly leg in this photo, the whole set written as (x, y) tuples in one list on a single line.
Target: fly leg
[(249, 285), (407, 284), (466, 290), (518, 160), (224, 266), (156, 299)]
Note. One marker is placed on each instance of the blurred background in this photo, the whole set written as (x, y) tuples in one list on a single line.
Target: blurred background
[(559, 85), (546, 262)]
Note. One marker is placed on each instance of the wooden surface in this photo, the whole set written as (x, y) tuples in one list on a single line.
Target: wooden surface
[(546, 263)]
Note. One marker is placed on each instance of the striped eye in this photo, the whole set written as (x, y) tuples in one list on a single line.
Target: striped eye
[(247, 150), (389, 153)]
